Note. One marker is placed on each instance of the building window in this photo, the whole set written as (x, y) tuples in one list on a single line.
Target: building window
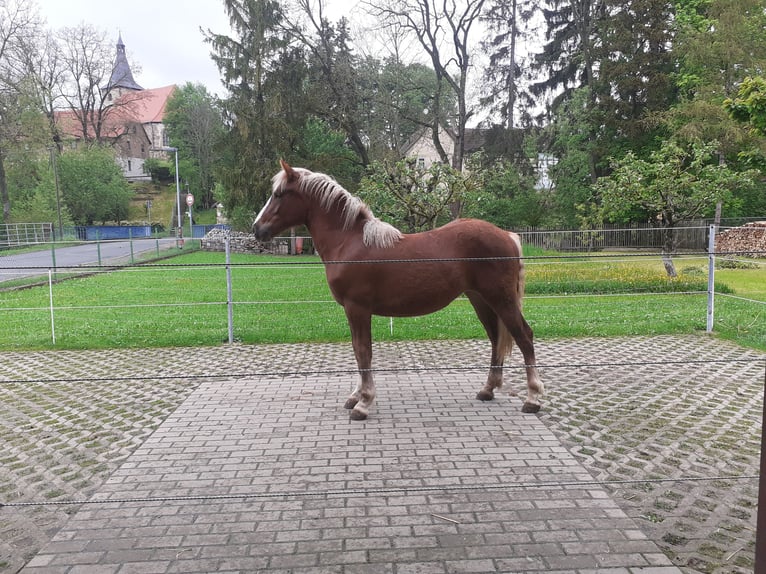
[(421, 162), (130, 166)]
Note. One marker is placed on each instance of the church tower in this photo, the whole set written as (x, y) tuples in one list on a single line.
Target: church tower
[(121, 79)]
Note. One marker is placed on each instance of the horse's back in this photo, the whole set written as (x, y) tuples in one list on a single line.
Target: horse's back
[(465, 239)]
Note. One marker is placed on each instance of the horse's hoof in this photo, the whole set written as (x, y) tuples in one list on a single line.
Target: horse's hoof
[(528, 407), (485, 395), (350, 403), (357, 415)]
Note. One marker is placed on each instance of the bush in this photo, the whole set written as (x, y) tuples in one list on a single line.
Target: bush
[(159, 170)]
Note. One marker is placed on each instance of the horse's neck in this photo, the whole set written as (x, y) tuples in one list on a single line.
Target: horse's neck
[(329, 236)]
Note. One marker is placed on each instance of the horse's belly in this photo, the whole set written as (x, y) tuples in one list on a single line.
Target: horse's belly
[(385, 291), (409, 308), (402, 302)]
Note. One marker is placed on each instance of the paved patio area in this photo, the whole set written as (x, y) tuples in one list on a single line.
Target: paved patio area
[(249, 469)]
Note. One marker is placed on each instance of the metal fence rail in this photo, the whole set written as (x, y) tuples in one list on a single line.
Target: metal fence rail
[(104, 256), (613, 237), (21, 234)]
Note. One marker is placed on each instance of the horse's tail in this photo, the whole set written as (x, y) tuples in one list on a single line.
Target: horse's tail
[(505, 339), (520, 276)]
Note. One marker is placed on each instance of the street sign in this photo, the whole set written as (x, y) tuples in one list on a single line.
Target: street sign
[(189, 199)]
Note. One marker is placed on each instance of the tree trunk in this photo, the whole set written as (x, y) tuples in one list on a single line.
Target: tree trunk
[(436, 126), (668, 247), (511, 87), (6, 200)]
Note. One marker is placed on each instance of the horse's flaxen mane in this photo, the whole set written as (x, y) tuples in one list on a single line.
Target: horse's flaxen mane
[(328, 192)]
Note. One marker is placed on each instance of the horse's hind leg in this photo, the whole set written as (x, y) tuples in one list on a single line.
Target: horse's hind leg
[(522, 334), (489, 320), (360, 400)]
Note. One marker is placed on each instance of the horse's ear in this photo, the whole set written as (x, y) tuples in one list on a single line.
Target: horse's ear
[(290, 174)]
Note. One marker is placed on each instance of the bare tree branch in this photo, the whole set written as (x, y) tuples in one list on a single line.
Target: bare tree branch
[(439, 24)]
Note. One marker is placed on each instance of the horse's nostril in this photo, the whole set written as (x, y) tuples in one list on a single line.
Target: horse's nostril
[(261, 232)]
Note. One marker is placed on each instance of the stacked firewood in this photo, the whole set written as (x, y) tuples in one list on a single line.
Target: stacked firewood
[(748, 240), (215, 240)]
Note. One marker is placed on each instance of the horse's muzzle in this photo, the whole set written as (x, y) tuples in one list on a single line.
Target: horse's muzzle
[(262, 232)]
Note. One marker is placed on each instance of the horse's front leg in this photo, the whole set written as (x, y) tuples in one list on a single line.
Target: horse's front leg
[(360, 322)]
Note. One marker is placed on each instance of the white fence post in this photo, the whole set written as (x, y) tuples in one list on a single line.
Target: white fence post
[(711, 279), (229, 301), (50, 298)]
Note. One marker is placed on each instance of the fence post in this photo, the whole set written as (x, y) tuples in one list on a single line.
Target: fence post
[(229, 302), (130, 238), (53, 254), (98, 245), (711, 279), (50, 299), (760, 528)]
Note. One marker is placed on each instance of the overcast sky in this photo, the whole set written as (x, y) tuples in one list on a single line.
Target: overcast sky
[(162, 37)]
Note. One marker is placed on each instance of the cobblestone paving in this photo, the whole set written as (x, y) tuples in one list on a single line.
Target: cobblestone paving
[(671, 420), (79, 437)]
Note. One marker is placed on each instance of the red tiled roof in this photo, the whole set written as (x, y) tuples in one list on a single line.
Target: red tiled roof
[(69, 125), (150, 106), (145, 106)]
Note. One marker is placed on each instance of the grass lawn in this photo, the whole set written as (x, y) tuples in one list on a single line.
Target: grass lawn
[(183, 302)]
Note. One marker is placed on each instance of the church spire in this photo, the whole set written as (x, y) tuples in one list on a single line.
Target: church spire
[(122, 77)]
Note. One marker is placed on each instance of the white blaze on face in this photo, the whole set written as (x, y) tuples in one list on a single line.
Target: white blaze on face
[(262, 211)]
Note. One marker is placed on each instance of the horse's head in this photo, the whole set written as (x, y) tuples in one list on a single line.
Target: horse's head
[(285, 208)]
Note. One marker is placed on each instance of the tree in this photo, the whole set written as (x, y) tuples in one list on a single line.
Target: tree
[(441, 25), (400, 93), (45, 77), (673, 185), (635, 70), (568, 60), (31, 182), (411, 197), (334, 93), (505, 23), (92, 185), (617, 55), (194, 125), (397, 103), (504, 195), (17, 23), (322, 148), (570, 139), (265, 110), (568, 65), (749, 105), (87, 61), (717, 44)]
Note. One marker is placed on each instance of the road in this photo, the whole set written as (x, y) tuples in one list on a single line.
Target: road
[(33, 263)]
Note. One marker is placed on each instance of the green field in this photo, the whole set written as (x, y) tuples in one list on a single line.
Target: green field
[(183, 302)]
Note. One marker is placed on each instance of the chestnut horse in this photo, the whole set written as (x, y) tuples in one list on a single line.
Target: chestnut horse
[(373, 269)]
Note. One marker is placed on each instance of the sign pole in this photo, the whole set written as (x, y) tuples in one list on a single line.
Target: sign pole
[(190, 202)]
